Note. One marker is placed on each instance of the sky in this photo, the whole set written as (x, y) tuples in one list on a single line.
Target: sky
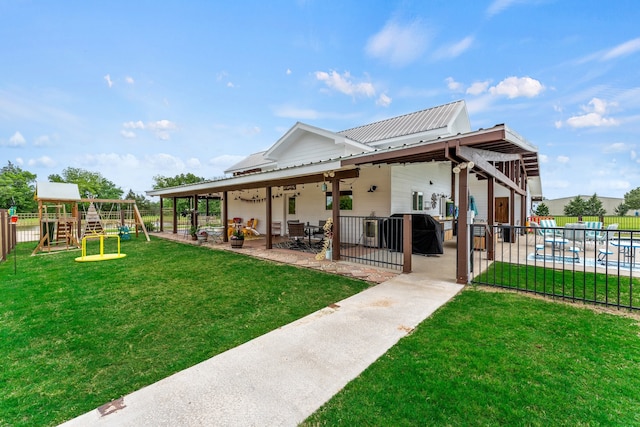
[(137, 89)]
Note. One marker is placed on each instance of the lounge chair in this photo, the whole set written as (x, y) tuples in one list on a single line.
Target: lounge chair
[(592, 230), (550, 228), (605, 236)]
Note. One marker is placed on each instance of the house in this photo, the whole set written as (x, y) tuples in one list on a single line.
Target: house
[(420, 162)]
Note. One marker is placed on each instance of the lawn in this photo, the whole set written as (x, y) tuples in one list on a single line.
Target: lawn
[(570, 283), (77, 335), (494, 359)]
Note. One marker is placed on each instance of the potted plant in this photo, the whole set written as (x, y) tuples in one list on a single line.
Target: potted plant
[(237, 239), (202, 236), (194, 232)]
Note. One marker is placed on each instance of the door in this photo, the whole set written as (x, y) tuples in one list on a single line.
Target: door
[(502, 210)]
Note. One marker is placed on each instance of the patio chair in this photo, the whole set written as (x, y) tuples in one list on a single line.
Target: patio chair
[(550, 228), (250, 228), (605, 236), (592, 229), (296, 233)]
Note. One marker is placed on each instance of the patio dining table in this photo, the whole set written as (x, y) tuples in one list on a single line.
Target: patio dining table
[(310, 230), (557, 244), (628, 249)]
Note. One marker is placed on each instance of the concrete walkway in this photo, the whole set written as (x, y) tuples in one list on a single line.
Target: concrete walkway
[(282, 377)]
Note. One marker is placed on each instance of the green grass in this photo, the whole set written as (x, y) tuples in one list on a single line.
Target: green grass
[(77, 335), (622, 291), (500, 359)]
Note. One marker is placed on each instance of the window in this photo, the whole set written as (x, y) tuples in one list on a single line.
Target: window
[(292, 205), (417, 197), (346, 200)]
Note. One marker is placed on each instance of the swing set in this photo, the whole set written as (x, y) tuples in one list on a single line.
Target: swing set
[(60, 230)]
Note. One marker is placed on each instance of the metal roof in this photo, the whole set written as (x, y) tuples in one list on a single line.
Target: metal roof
[(420, 121), (252, 161)]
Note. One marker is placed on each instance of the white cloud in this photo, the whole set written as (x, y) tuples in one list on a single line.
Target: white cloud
[(133, 125), (42, 140), (616, 147), (398, 43), (344, 83), (515, 87), (383, 100), (230, 84), (594, 115), (129, 80), (453, 85), (163, 161), (543, 158), (108, 160), (290, 112), (108, 80), (17, 140), (478, 88), (624, 49), (454, 50), (224, 161), (162, 128), (563, 159), (193, 163), (19, 161), (499, 6), (43, 161), (288, 72)]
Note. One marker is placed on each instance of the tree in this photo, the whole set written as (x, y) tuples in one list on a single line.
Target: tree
[(621, 209), (182, 179), (183, 205), (17, 188), (576, 207), (632, 199), (141, 201), (593, 207), (90, 184), (542, 210)]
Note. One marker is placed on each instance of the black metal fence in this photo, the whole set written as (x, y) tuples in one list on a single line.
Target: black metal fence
[(596, 266), (371, 241)]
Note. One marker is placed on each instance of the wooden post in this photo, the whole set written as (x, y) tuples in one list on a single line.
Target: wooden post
[(335, 215), (161, 214), (175, 215), (407, 242), (462, 262), (268, 217), (225, 215), (491, 218)]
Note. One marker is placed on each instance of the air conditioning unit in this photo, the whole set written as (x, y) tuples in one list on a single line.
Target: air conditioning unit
[(371, 233)]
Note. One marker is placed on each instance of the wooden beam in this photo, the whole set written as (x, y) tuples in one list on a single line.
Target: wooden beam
[(470, 155)]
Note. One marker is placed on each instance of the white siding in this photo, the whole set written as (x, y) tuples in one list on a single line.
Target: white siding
[(418, 177)]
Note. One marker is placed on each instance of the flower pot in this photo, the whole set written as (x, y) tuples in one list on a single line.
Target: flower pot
[(202, 238), (237, 243), (328, 254)]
